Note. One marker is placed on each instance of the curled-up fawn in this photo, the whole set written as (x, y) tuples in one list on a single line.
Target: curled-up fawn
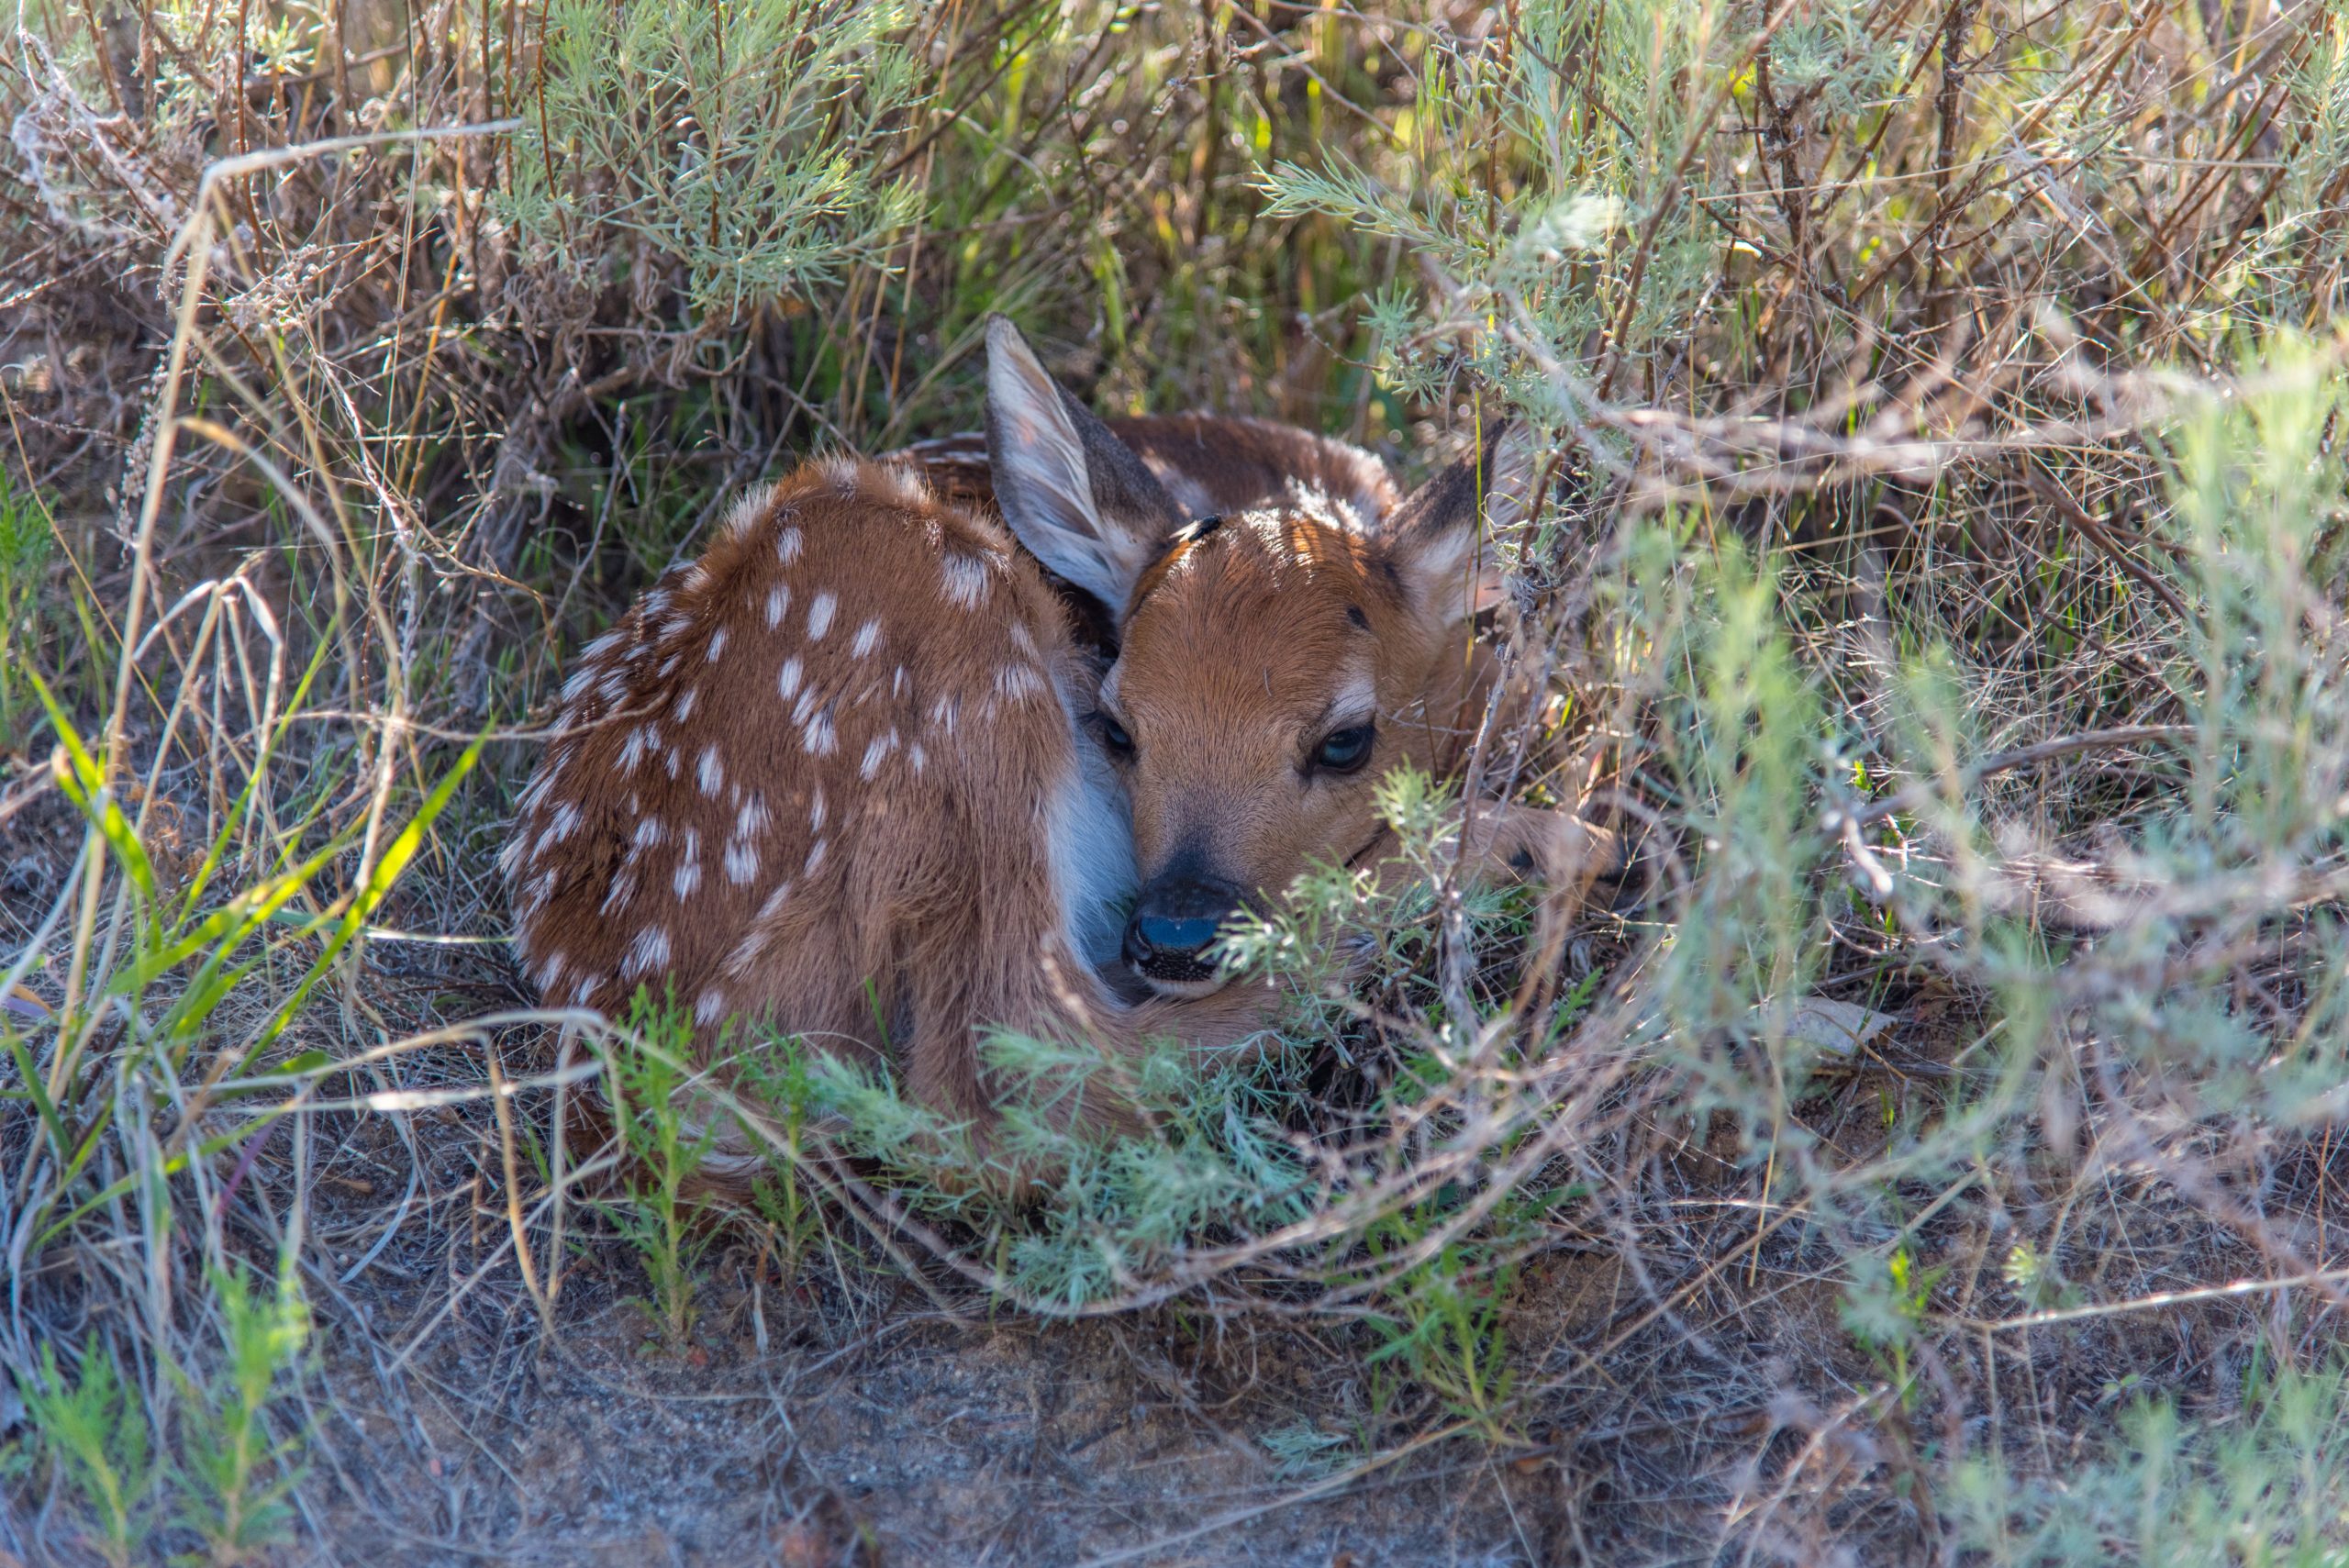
[(856, 775)]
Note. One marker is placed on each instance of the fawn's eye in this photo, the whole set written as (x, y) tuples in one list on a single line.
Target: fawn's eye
[(1113, 736), (1344, 751)]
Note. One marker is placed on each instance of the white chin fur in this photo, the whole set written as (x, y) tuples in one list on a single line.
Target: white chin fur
[(1188, 990)]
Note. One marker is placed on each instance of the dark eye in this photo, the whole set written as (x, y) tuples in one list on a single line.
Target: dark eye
[(1344, 751), (1113, 736)]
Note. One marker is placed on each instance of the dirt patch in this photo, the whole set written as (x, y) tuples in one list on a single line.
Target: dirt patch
[(866, 1431)]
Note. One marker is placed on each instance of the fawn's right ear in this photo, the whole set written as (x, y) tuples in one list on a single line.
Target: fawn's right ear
[(1073, 491), (1443, 539)]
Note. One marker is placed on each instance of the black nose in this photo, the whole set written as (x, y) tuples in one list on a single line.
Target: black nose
[(1173, 924)]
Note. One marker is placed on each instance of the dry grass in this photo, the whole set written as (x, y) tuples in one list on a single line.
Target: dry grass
[(1948, 589)]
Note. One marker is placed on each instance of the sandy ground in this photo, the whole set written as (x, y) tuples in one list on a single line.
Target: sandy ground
[(873, 1430), (847, 1418)]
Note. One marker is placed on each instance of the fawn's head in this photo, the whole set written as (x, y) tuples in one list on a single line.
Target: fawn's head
[(1270, 666)]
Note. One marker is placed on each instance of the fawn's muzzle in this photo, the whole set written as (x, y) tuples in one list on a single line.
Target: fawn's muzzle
[(1173, 922)]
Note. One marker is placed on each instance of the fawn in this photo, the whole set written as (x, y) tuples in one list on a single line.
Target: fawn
[(856, 774)]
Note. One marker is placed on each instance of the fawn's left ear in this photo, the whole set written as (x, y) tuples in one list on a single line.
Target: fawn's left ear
[(1074, 494), (1441, 540)]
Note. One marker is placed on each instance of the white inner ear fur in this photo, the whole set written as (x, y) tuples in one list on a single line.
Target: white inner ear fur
[(1458, 567), (1508, 488), (1456, 574), (1046, 492)]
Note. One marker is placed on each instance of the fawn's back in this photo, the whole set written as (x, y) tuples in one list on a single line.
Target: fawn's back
[(830, 759)]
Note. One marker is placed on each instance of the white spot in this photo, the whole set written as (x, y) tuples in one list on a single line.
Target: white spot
[(768, 910), (789, 680), (648, 952), (509, 859), (604, 644), (613, 687), (787, 545), (669, 761), (537, 790), (875, 754), (899, 485), (705, 1011), (916, 756), (685, 709), (753, 819), (967, 579), (697, 578), (632, 752), (622, 891), (804, 707), (815, 859), (868, 638), (550, 974), (716, 644), (688, 878), (576, 686), (741, 861), (816, 811), (897, 682), (749, 508), (1022, 640), (582, 989), (711, 773), (649, 832), (820, 615), (778, 601), (669, 665), (943, 711), (818, 737), (564, 824), (1014, 682)]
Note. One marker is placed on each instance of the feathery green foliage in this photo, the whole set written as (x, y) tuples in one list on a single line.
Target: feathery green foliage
[(740, 141), (95, 1429)]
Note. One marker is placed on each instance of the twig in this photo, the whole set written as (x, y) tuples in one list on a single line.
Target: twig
[(1917, 795)]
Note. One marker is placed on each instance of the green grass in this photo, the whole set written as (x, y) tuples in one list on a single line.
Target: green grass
[(662, 1215), (95, 1430)]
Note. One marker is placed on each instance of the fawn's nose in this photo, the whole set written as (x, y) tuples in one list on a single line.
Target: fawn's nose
[(1173, 922)]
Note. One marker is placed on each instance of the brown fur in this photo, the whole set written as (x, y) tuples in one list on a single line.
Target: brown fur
[(1248, 646)]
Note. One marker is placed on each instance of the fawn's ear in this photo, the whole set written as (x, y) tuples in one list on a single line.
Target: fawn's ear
[(1441, 540), (1073, 491)]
